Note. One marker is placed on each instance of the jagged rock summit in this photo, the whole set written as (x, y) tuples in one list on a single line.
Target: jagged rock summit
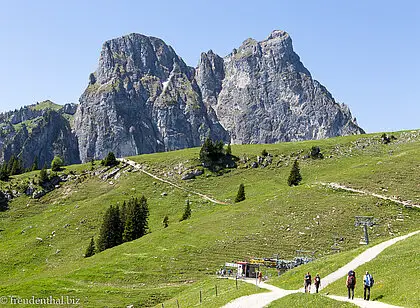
[(143, 98)]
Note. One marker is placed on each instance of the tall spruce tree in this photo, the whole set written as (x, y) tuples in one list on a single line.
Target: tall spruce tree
[(294, 177), (240, 196), (35, 164), (43, 175), (128, 234), (57, 163), (90, 250), (4, 173), (187, 211), (4, 202), (144, 214), (111, 231)]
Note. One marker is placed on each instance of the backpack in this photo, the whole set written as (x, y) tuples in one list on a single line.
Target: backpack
[(317, 280), (350, 281)]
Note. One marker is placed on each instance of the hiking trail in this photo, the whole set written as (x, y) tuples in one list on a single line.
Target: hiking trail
[(406, 203), (140, 168), (262, 299)]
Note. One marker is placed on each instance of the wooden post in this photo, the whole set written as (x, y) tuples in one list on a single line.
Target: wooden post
[(177, 303), (216, 289), (236, 282), (201, 297), (163, 306)]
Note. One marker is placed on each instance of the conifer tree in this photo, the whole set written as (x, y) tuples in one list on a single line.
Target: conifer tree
[(128, 234), (294, 177), (228, 150), (165, 221), (4, 202), (43, 175), (144, 210), (35, 164), (111, 232), (4, 173), (123, 214), (187, 211), (110, 160), (90, 251), (241, 193)]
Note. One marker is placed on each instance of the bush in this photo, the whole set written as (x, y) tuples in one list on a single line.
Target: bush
[(165, 221), (264, 153), (316, 153), (57, 163), (43, 175)]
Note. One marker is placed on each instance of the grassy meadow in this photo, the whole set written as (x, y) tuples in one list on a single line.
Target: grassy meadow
[(175, 263)]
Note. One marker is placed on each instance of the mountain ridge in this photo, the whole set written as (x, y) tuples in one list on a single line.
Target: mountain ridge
[(144, 98)]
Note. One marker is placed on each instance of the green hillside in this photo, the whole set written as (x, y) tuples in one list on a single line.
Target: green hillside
[(178, 261)]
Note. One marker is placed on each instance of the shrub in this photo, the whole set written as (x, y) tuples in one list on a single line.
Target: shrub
[(264, 153), (110, 160), (165, 221), (316, 153), (57, 163)]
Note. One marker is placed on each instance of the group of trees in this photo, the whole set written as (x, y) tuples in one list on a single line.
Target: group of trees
[(214, 156), (4, 202), (110, 160), (120, 226), (15, 166)]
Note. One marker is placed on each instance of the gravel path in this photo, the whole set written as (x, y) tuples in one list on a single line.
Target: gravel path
[(140, 168), (263, 299), (406, 203)]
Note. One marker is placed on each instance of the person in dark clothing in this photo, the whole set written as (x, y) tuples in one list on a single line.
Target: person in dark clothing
[(307, 282), (367, 284), (351, 284), (317, 282)]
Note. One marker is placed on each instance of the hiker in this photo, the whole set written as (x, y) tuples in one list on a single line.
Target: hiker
[(259, 277), (317, 282), (351, 283), (307, 281), (367, 284)]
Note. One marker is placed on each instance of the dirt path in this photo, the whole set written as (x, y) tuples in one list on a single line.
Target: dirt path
[(140, 168), (362, 303), (263, 299), (364, 192)]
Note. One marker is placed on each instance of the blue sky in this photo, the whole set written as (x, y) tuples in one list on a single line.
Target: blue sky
[(365, 52)]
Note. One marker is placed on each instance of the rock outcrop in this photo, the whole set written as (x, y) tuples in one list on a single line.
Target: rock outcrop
[(262, 93), (143, 98)]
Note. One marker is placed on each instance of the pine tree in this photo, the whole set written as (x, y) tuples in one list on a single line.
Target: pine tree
[(240, 196), (128, 234), (144, 210), (187, 211), (4, 202), (35, 164), (165, 221), (294, 177), (111, 231), (110, 160), (4, 173), (228, 150), (90, 251), (123, 214), (43, 175)]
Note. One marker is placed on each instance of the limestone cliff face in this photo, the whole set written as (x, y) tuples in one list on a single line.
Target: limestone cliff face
[(39, 132), (142, 99), (262, 93)]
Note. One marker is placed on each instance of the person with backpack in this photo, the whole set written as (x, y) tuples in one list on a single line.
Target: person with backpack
[(367, 284), (351, 283), (317, 282), (307, 282)]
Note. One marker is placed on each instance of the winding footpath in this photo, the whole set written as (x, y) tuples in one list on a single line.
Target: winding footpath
[(406, 203), (140, 168), (262, 299)]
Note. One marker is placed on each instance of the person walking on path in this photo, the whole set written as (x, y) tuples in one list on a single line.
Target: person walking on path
[(351, 283), (367, 284), (259, 277), (307, 282), (317, 282)]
